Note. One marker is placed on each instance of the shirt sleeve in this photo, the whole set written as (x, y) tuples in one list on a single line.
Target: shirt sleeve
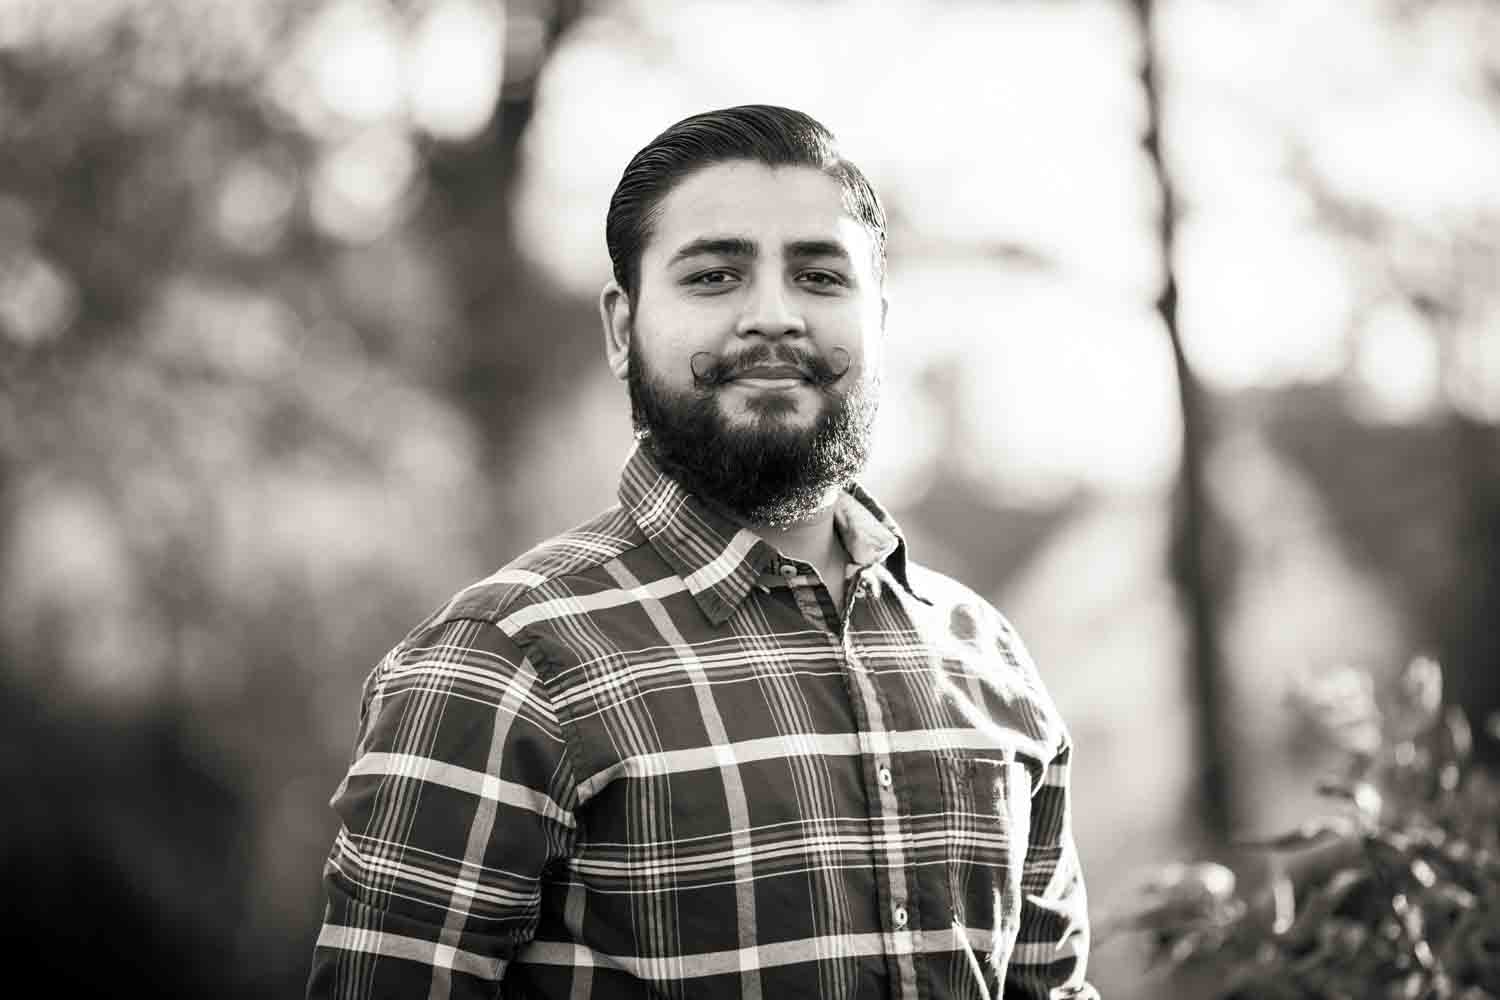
[(459, 796), (1051, 956)]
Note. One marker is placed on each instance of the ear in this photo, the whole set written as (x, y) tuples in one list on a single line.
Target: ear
[(614, 314)]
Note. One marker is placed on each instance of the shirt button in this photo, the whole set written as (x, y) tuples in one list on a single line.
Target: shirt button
[(884, 774), (788, 570), (898, 915)]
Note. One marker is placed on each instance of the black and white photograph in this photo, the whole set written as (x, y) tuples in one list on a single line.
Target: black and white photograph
[(829, 499)]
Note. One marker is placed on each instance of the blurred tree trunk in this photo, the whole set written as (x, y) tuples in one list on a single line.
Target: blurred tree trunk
[(500, 374), (1471, 644), (1198, 557), (1469, 607)]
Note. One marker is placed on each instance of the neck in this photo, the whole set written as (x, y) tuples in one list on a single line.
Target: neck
[(812, 539)]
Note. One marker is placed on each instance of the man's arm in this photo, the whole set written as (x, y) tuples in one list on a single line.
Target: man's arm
[(1051, 955), (459, 795)]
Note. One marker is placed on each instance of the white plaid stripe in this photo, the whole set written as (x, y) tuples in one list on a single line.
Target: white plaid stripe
[(377, 943), (765, 956), (484, 785)]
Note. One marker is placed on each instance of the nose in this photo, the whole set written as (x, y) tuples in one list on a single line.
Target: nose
[(770, 312)]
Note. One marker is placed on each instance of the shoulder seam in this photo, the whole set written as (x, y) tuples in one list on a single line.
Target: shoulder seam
[(512, 595)]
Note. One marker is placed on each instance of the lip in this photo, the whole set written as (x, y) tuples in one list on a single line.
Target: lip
[(771, 373), (769, 384)]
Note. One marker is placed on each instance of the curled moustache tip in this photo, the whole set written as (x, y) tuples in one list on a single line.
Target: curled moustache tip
[(701, 363), (840, 361)]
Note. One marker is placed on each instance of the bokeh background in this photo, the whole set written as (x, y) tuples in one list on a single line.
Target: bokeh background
[(1194, 353)]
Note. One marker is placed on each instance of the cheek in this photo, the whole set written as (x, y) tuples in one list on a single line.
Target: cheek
[(856, 326), (868, 350), (662, 347)]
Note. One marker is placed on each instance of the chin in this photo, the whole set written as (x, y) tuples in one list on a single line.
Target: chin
[(783, 408)]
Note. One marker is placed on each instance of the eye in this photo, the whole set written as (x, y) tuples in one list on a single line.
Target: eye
[(715, 279), (820, 280)]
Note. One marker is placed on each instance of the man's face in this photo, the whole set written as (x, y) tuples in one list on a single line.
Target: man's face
[(753, 348)]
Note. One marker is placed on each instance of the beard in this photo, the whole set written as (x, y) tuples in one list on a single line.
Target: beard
[(768, 470)]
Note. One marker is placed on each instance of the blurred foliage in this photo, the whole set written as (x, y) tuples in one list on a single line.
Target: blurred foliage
[(1396, 894), (1419, 507), (259, 341)]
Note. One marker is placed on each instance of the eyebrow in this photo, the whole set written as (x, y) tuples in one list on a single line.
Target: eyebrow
[(803, 249), (714, 246), (734, 246)]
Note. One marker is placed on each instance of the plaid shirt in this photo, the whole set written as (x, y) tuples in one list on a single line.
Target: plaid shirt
[(651, 758)]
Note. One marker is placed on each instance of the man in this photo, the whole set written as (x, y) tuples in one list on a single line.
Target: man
[(726, 739)]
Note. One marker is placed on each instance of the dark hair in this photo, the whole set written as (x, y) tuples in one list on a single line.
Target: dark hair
[(758, 132)]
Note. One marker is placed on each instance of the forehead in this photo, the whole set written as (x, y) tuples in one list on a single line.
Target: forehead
[(767, 205)]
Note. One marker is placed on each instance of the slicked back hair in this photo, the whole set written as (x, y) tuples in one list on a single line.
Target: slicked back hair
[(760, 133)]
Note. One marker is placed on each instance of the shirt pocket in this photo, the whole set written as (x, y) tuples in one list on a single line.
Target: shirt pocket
[(989, 819)]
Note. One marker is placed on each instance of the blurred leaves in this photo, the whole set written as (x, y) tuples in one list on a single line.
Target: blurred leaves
[(1415, 699), (1341, 703), (1313, 832), (1408, 902)]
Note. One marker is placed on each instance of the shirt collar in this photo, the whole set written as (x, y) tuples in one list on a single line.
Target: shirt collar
[(719, 560)]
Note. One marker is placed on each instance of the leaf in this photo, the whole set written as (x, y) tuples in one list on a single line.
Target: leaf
[(1410, 988), (1284, 900), (1365, 796), (1416, 698), (1460, 734), (1309, 834), (1456, 896), (1321, 904)]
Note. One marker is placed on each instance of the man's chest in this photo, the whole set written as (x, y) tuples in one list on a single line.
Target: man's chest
[(767, 719), (837, 799)]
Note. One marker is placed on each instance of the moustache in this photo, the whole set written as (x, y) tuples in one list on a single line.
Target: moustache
[(710, 370)]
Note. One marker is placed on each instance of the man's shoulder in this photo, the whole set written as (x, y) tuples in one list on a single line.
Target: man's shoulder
[(544, 571), (960, 602), (939, 589), (972, 621)]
